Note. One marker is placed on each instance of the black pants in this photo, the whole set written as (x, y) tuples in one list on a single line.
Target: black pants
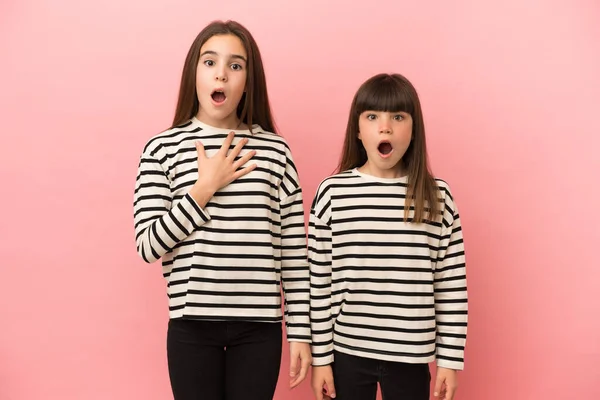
[(223, 360), (356, 378)]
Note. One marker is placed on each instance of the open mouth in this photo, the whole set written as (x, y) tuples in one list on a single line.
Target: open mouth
[(218, 96), (385, 148)]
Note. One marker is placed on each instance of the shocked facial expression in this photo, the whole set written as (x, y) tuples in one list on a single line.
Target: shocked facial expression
[(385, 137), (221, 80)]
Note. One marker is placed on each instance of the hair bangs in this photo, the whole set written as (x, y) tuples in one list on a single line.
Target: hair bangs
[(385, 93)]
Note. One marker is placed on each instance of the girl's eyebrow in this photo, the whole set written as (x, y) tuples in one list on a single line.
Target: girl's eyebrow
[(214, 53)]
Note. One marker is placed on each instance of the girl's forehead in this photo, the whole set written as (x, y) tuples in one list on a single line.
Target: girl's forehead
[(224, 45)]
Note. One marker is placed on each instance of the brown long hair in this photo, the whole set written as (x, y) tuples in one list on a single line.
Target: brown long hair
[(395, 93), (254, 107)]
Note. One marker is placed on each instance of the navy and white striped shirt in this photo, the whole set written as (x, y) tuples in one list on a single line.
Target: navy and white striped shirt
[(380, 287), (231, 259)]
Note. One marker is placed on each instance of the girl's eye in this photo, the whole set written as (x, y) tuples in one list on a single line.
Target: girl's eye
[(398, 117), (371, 117), (209, 63), (236, 67)]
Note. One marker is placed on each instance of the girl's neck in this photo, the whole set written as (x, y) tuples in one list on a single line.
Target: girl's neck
[(233, 122), (392, 173)]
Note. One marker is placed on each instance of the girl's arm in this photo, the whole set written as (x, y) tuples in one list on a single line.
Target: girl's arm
[(159, 222), (319, 255), (294, 265), (450, 291)]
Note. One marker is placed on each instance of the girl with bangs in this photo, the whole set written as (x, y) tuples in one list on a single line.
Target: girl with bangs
[(388, 290)]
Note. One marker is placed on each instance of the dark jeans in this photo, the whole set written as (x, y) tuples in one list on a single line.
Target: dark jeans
[(211, 360), (356, 378)]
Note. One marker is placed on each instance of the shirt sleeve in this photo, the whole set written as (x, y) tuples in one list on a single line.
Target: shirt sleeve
[(160, 223), (450, 291), (294, 262), (319, 255)]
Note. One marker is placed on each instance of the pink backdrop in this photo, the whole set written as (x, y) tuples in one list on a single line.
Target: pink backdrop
[(510, 93)]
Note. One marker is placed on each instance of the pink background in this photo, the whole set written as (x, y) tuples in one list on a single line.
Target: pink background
[(510, 91)]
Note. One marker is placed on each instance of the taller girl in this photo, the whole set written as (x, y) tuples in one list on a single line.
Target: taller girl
[(218, 199)]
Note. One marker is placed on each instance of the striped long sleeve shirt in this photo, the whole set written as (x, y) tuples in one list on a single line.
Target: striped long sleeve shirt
[(380, 287), (231, 259)]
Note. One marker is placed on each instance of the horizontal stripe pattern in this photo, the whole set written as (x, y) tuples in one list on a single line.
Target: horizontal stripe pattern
[(381, 287), (231, 259)]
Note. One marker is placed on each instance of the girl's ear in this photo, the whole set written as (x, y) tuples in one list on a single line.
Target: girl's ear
[(358, 136)]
